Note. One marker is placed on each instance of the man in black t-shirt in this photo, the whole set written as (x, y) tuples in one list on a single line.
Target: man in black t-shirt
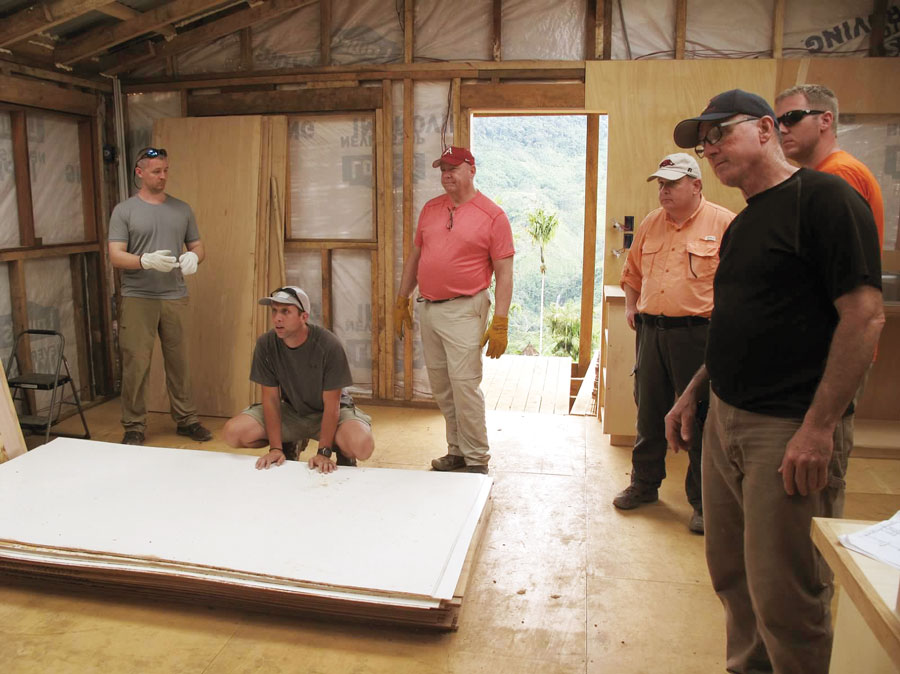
[(797, 313), (303, 370)]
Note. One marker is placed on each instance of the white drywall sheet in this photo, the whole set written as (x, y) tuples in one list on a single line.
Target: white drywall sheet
[(398, 532)]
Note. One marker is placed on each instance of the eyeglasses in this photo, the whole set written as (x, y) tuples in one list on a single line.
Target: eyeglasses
[(152, 153), (792, 117), (450, 223), (287, 290), (715, 134)]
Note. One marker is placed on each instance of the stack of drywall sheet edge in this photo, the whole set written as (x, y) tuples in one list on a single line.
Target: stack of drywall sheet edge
[(363, 543)]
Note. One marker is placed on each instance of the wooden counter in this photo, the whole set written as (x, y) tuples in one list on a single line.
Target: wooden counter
[(867, 625), (619, 413)]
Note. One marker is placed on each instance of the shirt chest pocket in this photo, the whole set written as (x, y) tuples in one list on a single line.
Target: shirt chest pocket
[(650, 256), (703, 258)]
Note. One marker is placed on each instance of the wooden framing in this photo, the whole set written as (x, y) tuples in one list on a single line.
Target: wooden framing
[(516, 97), (409, 31), (285, 101), (680, 27), (34, 94), (41, 16), (497, 30), (591, 173), (100, 39), (408, 140), (325, 32), (778, 29), (22, 167)]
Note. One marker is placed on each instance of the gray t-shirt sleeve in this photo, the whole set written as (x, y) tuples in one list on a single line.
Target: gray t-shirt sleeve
[(118, 226)]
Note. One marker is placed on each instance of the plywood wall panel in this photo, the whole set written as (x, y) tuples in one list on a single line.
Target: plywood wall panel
[(644, 101), (214, 166), (863, 86)]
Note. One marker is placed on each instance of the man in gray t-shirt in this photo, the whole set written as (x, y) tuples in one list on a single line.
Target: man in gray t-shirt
[(146, 236), (303, 371)]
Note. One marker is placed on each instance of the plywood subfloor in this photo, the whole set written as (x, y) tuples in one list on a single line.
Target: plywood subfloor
[(564, 582), (538, 384)]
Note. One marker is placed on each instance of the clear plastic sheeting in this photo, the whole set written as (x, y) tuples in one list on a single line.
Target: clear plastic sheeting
[(543, 30), (9, 208), (875, 141), (142, 111), (366, 32), (304, 269), (223, 55), (448, 31), (711, 29), (352, 303), (647, 30), (55, 178), (332, 178), (288, 41)]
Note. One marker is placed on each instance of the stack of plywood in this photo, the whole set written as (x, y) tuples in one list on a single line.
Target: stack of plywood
[(232, 171), (388, 545)]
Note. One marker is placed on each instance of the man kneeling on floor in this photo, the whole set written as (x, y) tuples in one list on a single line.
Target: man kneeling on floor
[(302, 369)]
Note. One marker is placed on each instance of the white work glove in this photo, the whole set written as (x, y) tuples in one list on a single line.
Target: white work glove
[(188, 262), (160, 260)]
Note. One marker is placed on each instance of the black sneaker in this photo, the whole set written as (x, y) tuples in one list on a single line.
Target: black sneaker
[(195, 432), (133, 438)]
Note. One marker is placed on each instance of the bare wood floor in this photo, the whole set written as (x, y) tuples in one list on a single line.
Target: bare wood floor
[(564, 582), (527, 384)]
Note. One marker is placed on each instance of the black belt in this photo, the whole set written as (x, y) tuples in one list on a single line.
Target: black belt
[(425, 299), (668, 322)]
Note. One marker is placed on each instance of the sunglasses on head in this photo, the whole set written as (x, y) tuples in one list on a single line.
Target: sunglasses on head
[(152, 153), (794, 116), (289, 291)]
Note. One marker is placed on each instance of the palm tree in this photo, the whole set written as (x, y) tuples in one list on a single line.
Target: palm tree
[(541, 228)]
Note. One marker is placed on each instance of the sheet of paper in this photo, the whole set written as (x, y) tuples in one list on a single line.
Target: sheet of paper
[(880, 541)]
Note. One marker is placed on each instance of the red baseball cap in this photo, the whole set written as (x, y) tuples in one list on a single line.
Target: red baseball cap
[(454, 156)]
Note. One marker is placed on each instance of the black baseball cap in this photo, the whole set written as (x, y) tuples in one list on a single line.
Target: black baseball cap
[(723, 106)]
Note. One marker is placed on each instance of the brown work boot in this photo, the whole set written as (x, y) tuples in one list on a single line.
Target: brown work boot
[(635, 495), (342, 459), (483, 469), (448, 462), (195, 432)]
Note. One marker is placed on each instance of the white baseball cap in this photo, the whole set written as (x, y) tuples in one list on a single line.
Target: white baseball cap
[(288, 295), (676, 166)]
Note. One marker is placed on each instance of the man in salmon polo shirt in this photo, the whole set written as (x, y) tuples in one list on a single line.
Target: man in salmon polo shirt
[(808, 119), (668, 283), (463, 239)]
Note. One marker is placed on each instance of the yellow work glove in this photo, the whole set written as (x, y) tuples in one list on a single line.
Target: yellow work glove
[(402, 314), (496, 336)]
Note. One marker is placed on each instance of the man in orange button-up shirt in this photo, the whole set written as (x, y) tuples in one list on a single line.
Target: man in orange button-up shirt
[(668, 283)]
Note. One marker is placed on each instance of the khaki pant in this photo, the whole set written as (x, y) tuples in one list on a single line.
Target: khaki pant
[(451, 342), (140, 320), (774, 585)]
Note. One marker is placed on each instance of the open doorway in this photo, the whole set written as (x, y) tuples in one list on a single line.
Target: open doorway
[(533, 166)]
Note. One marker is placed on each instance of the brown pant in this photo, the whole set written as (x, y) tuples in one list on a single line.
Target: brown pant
[(140, 320), (451, 342), (774, 585)]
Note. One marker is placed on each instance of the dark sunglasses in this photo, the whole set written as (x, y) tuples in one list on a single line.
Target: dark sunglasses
[(289, 291), (794, 116), (152, 153)]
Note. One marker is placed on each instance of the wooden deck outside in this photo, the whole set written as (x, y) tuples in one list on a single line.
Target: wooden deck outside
[(527, 384)]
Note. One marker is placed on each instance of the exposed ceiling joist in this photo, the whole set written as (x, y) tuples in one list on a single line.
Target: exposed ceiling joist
[(42, 16), (128, 60), (119, 11), (101, 39)]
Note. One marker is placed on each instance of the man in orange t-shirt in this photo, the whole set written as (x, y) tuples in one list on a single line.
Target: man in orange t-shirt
[(668, 283), (808, 118), (463, 240)]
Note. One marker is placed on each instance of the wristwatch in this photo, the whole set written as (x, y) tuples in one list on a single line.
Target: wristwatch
[(325, 451)]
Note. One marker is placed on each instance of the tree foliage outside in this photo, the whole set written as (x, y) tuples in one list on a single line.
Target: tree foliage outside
[(541, 228), (538, 162)]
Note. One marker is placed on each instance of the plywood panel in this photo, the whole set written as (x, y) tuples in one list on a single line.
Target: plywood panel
[(861, 85), (214, 167), (642, 119)]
